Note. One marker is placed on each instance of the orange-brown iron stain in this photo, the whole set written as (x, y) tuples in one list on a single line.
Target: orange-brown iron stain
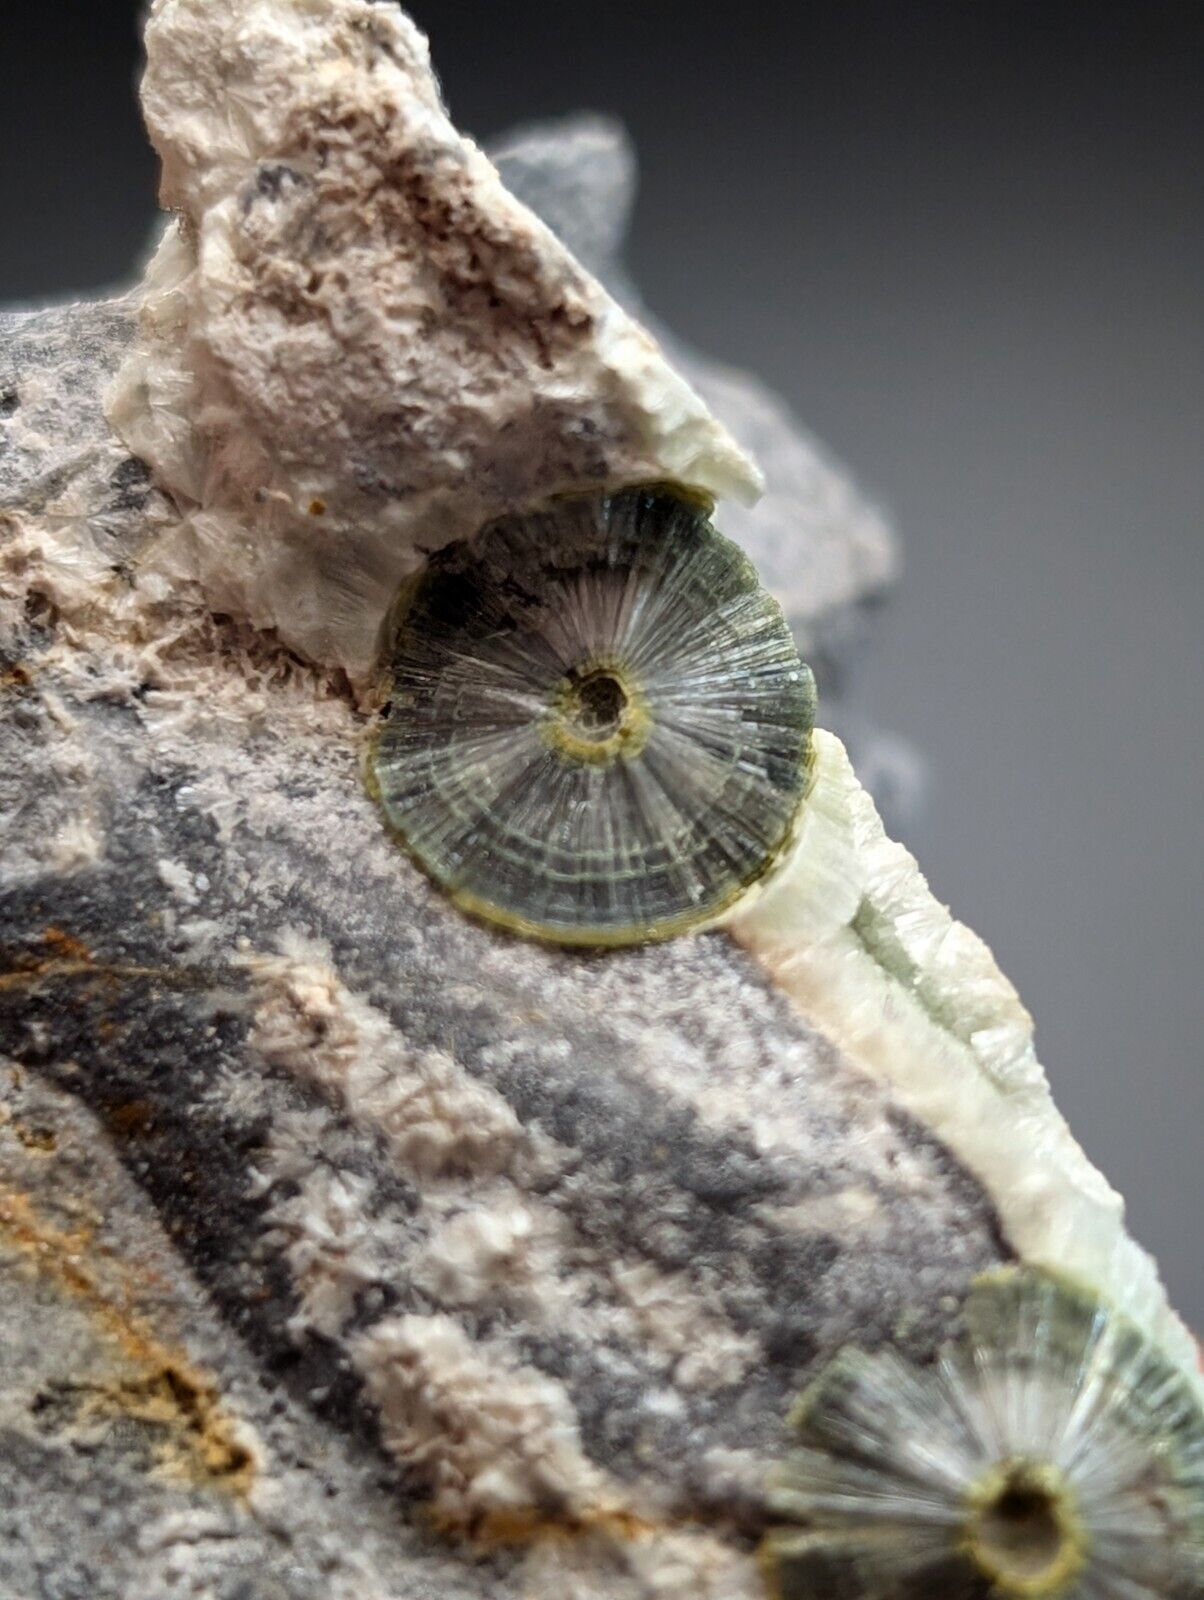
[(39, 1139), (131, 1119), (165, 1389), (523, 1526), (529, 1525), (66, 946), (68, 957), (170, 1392)]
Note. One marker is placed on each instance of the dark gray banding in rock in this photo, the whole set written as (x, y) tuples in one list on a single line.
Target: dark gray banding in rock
[(643, 1176), (606, 1062)]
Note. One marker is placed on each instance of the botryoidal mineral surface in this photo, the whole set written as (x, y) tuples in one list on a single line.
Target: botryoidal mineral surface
[(351, 1249)]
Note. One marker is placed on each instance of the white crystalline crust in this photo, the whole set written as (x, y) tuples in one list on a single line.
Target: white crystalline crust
[(851, 931), (357, 345)]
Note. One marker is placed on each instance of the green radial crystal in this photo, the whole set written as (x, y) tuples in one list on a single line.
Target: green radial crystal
[(599, 722), (1051, 1453)]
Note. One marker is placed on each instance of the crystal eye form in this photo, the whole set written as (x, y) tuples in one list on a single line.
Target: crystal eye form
[(598, 725), (1052, 1452)]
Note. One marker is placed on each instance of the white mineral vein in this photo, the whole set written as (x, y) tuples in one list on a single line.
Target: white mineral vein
[(851, 931)]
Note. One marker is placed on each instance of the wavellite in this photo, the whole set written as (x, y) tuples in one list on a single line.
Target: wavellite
[(351, 1248)]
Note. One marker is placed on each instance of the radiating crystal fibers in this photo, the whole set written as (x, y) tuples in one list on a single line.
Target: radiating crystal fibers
[(598, 725)]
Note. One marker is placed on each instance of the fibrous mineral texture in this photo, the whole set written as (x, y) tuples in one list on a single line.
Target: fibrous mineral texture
[(351, 1249)]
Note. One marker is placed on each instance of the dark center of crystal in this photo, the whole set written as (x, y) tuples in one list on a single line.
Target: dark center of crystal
[(600, 704), (1022, 1529)]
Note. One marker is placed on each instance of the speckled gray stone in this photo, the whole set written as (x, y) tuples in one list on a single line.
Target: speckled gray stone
[(209, 945)]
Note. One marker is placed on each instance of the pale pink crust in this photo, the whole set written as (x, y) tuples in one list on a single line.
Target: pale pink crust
[(357, 344)]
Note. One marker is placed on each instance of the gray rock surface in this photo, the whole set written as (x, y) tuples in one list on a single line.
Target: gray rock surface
[(350, 1248)]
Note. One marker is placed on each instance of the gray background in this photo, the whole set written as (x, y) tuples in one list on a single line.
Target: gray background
[(965, 240)]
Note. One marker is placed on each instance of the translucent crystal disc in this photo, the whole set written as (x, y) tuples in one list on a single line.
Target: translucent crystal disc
[(599, 721), (1052, 1453)]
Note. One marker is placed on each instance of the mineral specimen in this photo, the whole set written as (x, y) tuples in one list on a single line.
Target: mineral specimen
[(351, 1248), (598, 721)]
